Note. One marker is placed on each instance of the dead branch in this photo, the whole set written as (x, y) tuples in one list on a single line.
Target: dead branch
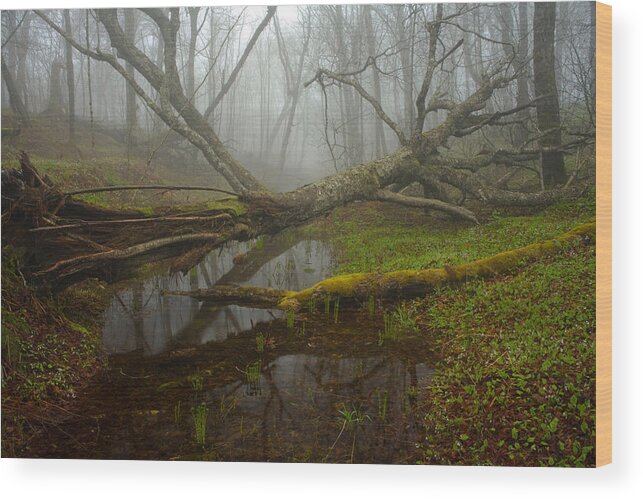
[(433, 204), (112, 188)]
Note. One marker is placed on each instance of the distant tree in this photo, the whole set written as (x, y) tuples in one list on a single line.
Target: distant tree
[(69, 76), (15, 101)]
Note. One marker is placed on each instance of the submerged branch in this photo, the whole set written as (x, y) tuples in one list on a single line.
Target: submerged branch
[(356, 289)]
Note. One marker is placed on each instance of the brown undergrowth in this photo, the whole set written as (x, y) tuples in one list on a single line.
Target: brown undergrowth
[(50, 349)]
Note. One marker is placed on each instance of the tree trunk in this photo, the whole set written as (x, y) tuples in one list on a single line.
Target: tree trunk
[(296, 92), (17, 106), (405, 38), (131, 119), (547, 108), (380, 140), (516, 51), (55, 102), (71, 83), (189, 66), (21, 62)]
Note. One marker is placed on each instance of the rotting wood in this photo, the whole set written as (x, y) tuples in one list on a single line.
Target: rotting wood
[(356, 289)]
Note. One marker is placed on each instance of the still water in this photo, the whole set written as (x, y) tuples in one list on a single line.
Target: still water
[(190, 380)]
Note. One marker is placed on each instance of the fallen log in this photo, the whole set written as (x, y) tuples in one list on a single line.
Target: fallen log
[(355, 289), (114, 188)]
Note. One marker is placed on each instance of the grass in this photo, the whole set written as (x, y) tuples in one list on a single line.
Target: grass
[(253, 372), (371, 306), (349, 419), (260, 341), (516, 381), (382, 403), (200, 415), (197, 382), (397, 324), (378, 237), (514, 384), (290, 318), (301, 330)]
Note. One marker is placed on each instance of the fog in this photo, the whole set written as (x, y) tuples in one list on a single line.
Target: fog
[(261, 90)]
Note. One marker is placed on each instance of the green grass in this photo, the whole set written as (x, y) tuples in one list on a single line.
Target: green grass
[(397, 324), (372, 237), (200, 416), (514, 384)]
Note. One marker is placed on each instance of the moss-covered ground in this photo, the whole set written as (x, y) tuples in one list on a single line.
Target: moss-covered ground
[(515, 381)]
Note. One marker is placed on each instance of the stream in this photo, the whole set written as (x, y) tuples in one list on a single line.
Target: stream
[(197, 381)]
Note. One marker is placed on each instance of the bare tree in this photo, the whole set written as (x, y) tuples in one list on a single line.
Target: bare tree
[(425, 155), (71, 83)]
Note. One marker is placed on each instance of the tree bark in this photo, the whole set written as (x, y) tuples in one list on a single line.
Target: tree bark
[(547, 108), (355, 290), (131, 121), (71, 83), (17, 106)]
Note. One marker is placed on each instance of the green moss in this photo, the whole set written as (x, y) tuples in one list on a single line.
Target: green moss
[(363, 285)]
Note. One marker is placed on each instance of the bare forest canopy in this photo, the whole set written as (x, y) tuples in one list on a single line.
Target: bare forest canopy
[(296, 110)]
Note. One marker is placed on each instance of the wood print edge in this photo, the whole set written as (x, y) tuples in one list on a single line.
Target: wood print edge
[(603, 234)]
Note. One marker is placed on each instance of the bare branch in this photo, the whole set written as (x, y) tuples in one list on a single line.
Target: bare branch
[(366, 96)]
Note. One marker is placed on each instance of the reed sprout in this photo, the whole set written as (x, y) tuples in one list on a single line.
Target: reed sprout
[(253, 371), (177, 412), (290, 318), (382, 403), (200, 415), (371, 306), (261, 342)]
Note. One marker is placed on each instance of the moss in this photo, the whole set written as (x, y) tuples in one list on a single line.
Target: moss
[(414, 282)]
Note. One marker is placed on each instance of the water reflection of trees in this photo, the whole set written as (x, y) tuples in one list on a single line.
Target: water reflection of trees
[(299, 400), (142, 318)]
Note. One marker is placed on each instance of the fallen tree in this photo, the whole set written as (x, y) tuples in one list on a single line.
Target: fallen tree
[(68, 240), (355, 290)]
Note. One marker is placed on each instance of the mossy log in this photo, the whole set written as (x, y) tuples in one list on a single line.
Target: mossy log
[(356, 289)]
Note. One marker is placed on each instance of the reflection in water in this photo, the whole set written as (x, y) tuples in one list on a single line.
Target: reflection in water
[(326, 392), (140, 318), (293, 413), (290, 409)]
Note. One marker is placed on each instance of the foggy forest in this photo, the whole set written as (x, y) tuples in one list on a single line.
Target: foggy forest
[(314, 233)]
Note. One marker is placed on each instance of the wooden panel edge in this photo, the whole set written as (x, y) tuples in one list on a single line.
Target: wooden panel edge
[(603, 234)]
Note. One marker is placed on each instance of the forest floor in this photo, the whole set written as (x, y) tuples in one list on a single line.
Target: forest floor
[(515, 380)]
